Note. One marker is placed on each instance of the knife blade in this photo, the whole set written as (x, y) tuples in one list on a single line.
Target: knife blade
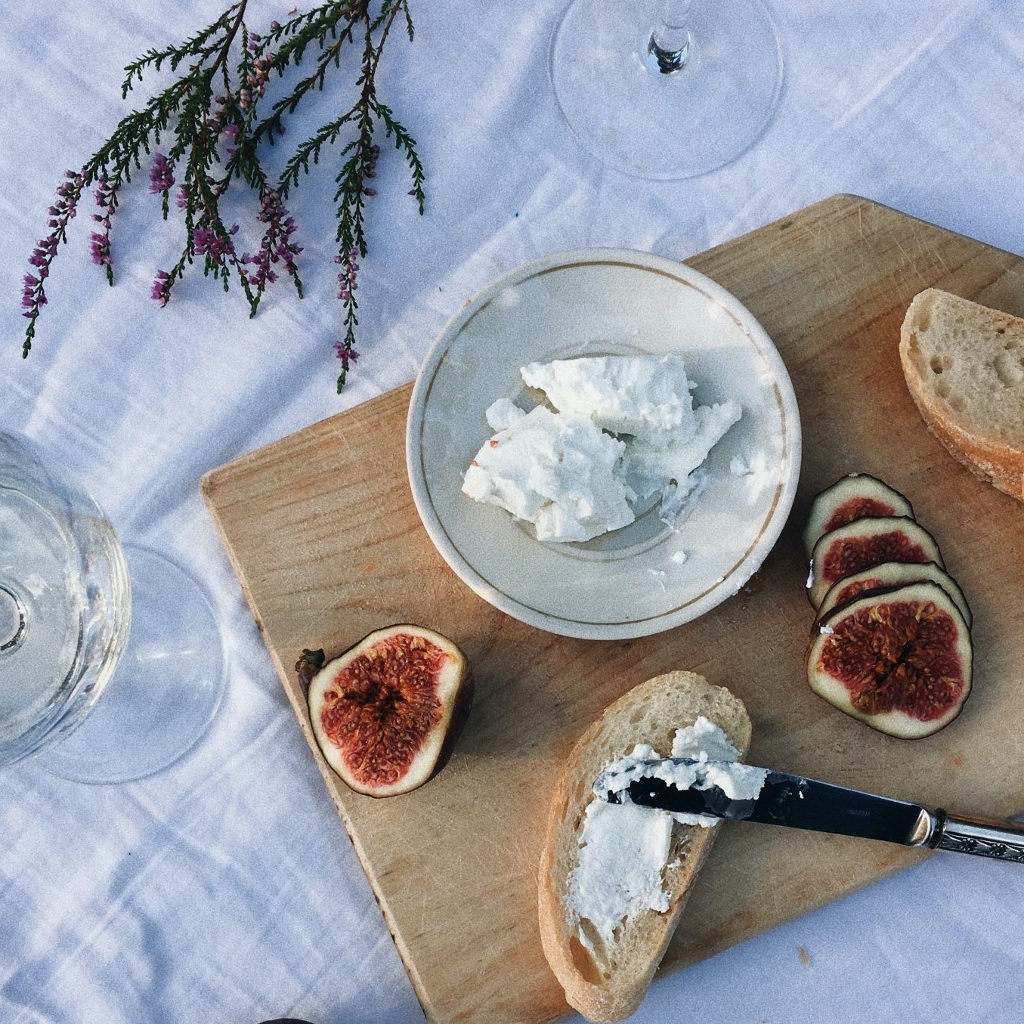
[(793, 801)]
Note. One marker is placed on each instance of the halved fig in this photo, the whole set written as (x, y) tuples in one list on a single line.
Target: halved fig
[(386, 713), (852, 497), (893, 574), (863, 544), (898, 660)]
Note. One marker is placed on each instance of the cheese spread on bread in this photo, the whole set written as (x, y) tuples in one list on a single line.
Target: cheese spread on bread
[(710, 763), (646, 439), (624, 848)]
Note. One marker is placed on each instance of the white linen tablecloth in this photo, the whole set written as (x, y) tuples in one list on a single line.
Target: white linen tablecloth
[(224, 889)]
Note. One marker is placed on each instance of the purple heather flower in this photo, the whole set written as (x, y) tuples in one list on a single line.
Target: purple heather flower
[(345, 354), (276, 246), (100, 246), (161, 175), (257, 78), (347, 283), (203, 238), (211, 244), (33, 295), (161, 290), (105, 196)]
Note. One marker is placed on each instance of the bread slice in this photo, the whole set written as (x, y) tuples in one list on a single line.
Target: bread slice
[(610, 983), (964, 365)]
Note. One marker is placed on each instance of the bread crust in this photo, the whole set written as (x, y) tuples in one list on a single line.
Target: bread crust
[(611, 988), (924, 334)]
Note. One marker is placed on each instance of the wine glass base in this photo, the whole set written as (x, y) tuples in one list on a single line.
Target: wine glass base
[(165, 691), (666, 126)]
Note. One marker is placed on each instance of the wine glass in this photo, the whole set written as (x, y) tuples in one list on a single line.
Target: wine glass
[(667, 93), (111, 661)]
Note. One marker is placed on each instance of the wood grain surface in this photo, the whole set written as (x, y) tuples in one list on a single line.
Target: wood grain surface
[(327, 544)]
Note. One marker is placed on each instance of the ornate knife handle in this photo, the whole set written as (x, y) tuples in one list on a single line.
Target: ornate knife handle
[(1002, 840)]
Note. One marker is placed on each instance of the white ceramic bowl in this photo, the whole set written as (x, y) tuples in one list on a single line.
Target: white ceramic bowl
[(646, 577)]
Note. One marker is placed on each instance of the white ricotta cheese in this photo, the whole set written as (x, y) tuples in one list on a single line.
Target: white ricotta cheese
[(624, 848), (621, 394), (712, 763), (663, 461), (703, 740), (646, 439), (559, 472)]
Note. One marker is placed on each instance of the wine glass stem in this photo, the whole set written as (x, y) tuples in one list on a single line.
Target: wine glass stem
[(669, 45)]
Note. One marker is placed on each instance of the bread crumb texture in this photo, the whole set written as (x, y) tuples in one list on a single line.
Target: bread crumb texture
[(964, 367), (972, 358)]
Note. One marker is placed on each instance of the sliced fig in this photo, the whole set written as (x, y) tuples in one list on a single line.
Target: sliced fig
[(865, 543), (386, 713), (852, 497), (898, 660), (893, 574)]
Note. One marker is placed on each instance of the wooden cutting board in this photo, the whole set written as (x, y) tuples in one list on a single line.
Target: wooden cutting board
[(327, 544)]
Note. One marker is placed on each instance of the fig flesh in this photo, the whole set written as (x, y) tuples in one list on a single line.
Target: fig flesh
[(893, 574), (899, 660), (852, 497), (865, 543), (386, 713)]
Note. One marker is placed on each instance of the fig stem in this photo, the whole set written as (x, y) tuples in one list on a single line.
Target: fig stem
[(309, 663)]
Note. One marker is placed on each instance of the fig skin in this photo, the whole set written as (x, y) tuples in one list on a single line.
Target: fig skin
[(867, 542), (915, 647), (387, 712), (892, 574), (852, 497)]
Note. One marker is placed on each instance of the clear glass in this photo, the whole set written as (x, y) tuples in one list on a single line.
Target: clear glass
[(101, 679), (667, 89)]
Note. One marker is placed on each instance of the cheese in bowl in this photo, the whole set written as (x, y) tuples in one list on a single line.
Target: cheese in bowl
[(603, 444), (620, 432)]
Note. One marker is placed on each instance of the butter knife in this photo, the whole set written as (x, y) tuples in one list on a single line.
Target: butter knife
[(796, 802)]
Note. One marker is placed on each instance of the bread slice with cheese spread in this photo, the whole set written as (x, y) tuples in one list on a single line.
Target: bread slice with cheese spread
[(964, 365), (607, 980)]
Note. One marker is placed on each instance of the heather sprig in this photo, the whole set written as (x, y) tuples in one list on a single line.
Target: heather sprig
[(106, 199), (33, 294), (205, 133), (367, 117), (277, 246)]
